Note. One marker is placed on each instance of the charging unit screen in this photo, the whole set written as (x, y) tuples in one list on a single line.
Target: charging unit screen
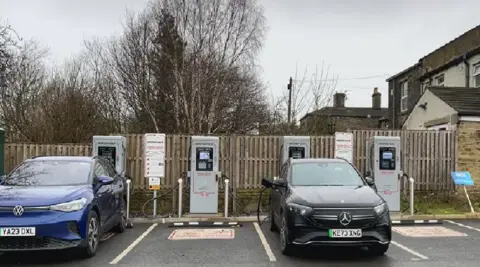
[(109, 153), (387, 158), (204, 159), (296, 152)]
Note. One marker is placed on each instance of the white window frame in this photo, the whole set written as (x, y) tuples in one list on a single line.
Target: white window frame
[(403, 96), (475, 73), (438, 77)]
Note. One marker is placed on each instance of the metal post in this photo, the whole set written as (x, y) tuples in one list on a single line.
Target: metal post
[(468, 198), (226, 197), (129, 182), (412, 192), (154, 203), (180, 197)]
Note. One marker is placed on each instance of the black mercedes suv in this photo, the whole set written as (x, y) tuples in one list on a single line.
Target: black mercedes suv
[(327, 202)]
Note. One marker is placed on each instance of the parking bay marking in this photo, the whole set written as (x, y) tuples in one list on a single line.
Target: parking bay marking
[(265, 244), (423, 257), (463, 225), (427, 231), (191, 234), (131, 246)]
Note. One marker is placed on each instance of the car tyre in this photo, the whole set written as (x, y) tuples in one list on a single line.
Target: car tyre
[(378, 250), (92, 240), (273, 226), (122, 225), (286, 247)]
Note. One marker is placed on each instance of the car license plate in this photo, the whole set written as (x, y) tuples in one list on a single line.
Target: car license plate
[(17, 231), (342, 233)]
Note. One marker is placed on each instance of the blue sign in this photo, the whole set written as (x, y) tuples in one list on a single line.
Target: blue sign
[(462, 178)]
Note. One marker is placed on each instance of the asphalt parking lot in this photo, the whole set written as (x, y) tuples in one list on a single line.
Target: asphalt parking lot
[(455, 243)]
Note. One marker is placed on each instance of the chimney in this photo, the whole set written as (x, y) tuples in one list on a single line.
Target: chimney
[(339, 100), (376, 99)]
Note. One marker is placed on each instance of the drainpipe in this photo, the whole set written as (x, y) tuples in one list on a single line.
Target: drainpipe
[(467, 71)]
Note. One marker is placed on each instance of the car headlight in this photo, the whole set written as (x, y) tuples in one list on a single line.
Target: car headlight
[(70, 206), (302, 210), (381, 209)]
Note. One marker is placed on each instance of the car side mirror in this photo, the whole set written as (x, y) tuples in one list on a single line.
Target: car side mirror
[(105, 180), (267, 183), (280, 183), (370, 181)]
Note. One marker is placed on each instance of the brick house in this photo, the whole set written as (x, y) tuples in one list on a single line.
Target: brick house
[(328, 120), (406, 87)]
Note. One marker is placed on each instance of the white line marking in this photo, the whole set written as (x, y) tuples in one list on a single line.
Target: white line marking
[(395, 221), (423, 257), (232, 223), (177, 224), (193, 223), (433, 221), (463, 225), (218, 223), (265, 244), (129, 248), (419, 221)]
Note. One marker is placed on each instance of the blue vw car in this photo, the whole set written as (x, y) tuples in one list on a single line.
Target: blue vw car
[(51, 203)]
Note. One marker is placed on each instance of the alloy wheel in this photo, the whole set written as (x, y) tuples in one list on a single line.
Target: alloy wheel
[(93, 234)]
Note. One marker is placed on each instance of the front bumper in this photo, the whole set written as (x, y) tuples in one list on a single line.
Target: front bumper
[(53, 230), (308, 231)]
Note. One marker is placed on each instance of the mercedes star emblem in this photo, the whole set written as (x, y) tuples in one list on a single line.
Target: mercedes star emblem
[(18, 210), (345, 218)]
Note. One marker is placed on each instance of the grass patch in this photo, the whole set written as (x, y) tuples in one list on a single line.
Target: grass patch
[(438, 203)]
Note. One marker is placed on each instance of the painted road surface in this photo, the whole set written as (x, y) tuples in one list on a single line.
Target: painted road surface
[(455, 243)]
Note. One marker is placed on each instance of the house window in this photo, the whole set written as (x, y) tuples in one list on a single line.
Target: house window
[(476, 75), (439, 80), (404, 96)]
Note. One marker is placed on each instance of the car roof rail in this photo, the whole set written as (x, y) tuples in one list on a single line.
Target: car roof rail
[(344, 159), (39, 156)]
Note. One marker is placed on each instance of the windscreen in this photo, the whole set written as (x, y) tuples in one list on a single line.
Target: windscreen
[(49, 173), (325, 174)]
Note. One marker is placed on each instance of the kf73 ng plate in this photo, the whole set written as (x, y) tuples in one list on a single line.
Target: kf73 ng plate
[(345, 233)]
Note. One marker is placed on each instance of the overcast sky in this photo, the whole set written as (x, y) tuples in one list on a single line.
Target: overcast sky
[(363, 42)]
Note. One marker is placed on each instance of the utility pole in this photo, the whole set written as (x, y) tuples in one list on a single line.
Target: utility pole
[(290, 87)]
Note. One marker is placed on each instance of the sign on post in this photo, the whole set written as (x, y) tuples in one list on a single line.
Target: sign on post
[(154, 159), (344, 146), (464, 179)]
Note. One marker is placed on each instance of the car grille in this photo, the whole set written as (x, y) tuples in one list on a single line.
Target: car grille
[(328, 218), (35, 243)]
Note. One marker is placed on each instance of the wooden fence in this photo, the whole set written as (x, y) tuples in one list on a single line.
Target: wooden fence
[(428, 156)]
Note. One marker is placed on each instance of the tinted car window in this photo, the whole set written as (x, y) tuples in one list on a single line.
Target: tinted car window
[(109, 168), (100, 170), (325, 174), (49, 172)]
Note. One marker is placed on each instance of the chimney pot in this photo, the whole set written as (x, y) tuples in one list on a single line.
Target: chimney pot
[(339, 100), (376, 99)]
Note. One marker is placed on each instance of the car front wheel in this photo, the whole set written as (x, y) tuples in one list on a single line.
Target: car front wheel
[(92, 240), (286, 246), (378, 250)]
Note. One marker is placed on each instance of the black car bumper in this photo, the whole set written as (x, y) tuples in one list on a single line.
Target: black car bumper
[(11, 244), (306, 231)]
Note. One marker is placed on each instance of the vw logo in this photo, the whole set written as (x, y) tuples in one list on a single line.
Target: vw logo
[(18, 210), (345, 218)]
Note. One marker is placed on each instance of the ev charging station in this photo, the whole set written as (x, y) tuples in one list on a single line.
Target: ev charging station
[(297, 147), (383, 161), (113, 148), (204, 174)]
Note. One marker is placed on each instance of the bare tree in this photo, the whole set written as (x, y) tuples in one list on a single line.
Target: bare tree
[(219, 36), (311, 91)]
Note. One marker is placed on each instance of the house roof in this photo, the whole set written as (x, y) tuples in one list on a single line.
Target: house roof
[(453, 62), (354, 112), (465, 100), (402, 72), (434, 51)]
